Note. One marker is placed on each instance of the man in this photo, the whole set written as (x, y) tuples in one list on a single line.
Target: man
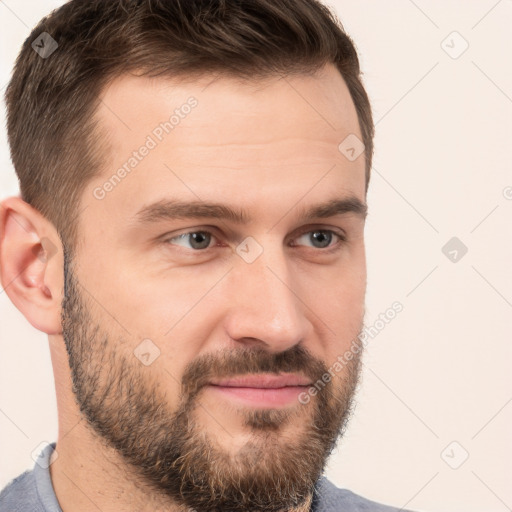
[(190, 235)]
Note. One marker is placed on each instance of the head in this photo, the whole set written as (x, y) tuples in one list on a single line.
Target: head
[(189, 216)]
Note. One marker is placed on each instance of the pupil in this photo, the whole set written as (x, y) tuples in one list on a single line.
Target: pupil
[(200, 240), (322, 237)]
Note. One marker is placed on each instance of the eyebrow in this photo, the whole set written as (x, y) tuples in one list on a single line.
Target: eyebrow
[(174, 210)]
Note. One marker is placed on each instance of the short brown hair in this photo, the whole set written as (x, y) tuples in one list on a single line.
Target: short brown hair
[(56, 147)]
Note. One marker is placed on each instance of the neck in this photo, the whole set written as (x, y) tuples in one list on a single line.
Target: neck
[(90, 476)]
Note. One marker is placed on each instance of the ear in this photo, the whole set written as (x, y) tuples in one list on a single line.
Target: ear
[(31, 264)]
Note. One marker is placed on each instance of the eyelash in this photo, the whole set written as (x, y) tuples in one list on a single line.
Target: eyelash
[(327, 250)]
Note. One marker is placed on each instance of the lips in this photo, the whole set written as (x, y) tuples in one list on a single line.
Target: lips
[(263, 391), (262, 381)]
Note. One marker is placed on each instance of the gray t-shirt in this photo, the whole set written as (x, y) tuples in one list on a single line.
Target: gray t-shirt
[(32, 491)]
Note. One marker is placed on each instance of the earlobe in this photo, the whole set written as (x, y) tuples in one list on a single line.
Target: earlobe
[(30, 264)]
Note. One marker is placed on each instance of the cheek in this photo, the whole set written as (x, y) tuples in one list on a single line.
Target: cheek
[(173, 309), (343, 311), (153, 299), (339, 304)]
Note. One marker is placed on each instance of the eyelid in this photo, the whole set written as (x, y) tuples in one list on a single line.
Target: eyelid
[(312, 228), (211, 230)]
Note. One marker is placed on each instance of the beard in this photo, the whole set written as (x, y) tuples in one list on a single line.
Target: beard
[(172, 452)]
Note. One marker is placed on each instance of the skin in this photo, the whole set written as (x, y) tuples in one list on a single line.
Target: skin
[(269, 148)]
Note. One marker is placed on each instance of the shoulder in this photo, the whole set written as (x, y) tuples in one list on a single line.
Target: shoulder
[(21, 495), (329, 498), (32, 491)]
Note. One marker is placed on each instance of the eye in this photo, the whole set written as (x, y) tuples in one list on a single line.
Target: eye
[(201, 240), (319, 238), (196, 240)]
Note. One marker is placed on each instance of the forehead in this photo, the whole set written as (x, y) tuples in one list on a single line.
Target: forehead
[(222, 137), (229, 110)]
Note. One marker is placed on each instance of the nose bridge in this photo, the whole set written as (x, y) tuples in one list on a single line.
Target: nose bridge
[(265, 306)]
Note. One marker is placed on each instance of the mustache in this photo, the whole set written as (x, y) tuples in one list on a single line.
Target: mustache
[(238, 362)]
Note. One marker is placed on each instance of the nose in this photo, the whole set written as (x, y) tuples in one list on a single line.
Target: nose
[(266, 308)]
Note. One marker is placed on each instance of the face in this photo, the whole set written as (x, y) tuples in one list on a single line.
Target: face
[(217, 282)]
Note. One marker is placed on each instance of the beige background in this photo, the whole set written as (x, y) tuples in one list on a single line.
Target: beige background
[(439, 372)]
